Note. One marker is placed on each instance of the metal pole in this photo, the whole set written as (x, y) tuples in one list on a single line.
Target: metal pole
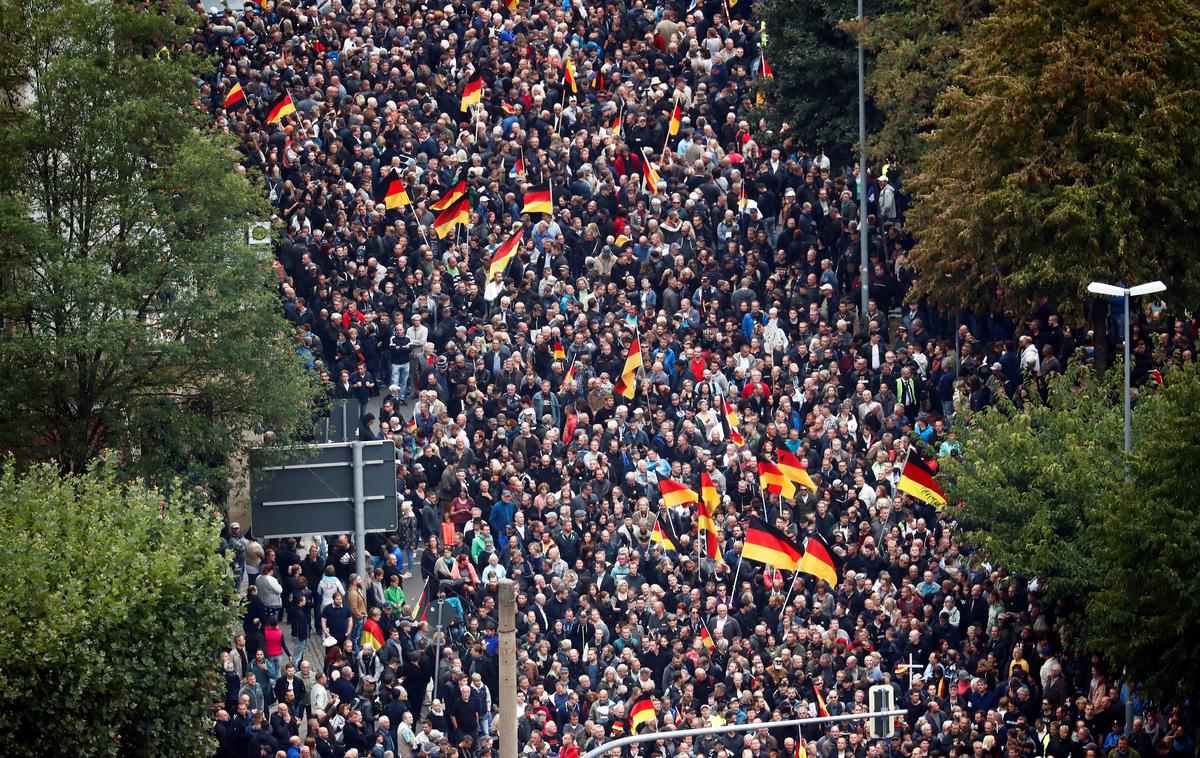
[(507, 629), (360, 505), (1128, 400), (864, 263), (635, 739)]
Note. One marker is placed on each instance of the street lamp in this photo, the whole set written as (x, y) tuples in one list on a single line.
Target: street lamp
[(1149, 288)]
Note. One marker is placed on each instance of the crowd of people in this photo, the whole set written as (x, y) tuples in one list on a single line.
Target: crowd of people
[(728, 254)]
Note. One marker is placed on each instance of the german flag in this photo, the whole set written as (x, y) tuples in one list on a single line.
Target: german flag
[(917, 479), (504, 253), (674, 493), (615, 128), (822, 709), (570, 375), (472, 92), (766, 544), (941, 691), (598, 79), (706, 527), (235, 97), (559, 353), (767, 73), (569, 78), (449, 219), (708, 492), (706, 636), (731, 418), (421, 609), (512, 5), (641, 712), (540, 199), (793, 469), (621, 240), (818, 562), (508, 108), (373, 634), (518, 168), (453, 194), (280, 108), (395, 196), (771, 479), (626, 385), (651, 174), (659, 536), (676, 119)]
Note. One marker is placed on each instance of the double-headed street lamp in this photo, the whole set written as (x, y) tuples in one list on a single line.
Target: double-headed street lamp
[(1149, 288)]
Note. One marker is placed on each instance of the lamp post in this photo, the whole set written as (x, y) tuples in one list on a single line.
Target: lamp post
[(1149, 288), (864, 263)]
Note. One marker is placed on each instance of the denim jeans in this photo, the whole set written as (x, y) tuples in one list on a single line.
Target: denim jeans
[(356, 634), (400, 378)]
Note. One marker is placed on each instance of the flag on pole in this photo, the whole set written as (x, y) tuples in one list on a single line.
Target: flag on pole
[(822, 710), (449, 219), (235, 97), (676, 119), (659, 536), (539, 200), (772, 480), (651, 174), (570, 375), (706, 526), (731, 418), (511, 5), (283, 106), (791, 467), (626, 385), (767, 73), (472, 92), (641, 712), (818, 561), (452, 195), (421, 609), (569, 76), (917, 479), (615, 128), (674, 493), (395, 195), (766, 544), (518, 168), (559, 353), (504, 253)]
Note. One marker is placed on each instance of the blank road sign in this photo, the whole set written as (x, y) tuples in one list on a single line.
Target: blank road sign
[(311, 491)]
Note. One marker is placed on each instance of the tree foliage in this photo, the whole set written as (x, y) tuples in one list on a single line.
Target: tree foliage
[(815, 64), (916, 47), (1049, 161), (1044, 495), (113, 598), (136, 317), (1146, 608), (1032, 482)]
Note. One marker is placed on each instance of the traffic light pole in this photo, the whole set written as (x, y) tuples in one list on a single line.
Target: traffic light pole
[(635, 739)]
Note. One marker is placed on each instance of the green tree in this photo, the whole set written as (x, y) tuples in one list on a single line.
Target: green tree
[(1146, 608), (1044, 494), (113, 599), (916, 48), (137, 319), (1064, 150), (1032, 482), (815, 65)]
